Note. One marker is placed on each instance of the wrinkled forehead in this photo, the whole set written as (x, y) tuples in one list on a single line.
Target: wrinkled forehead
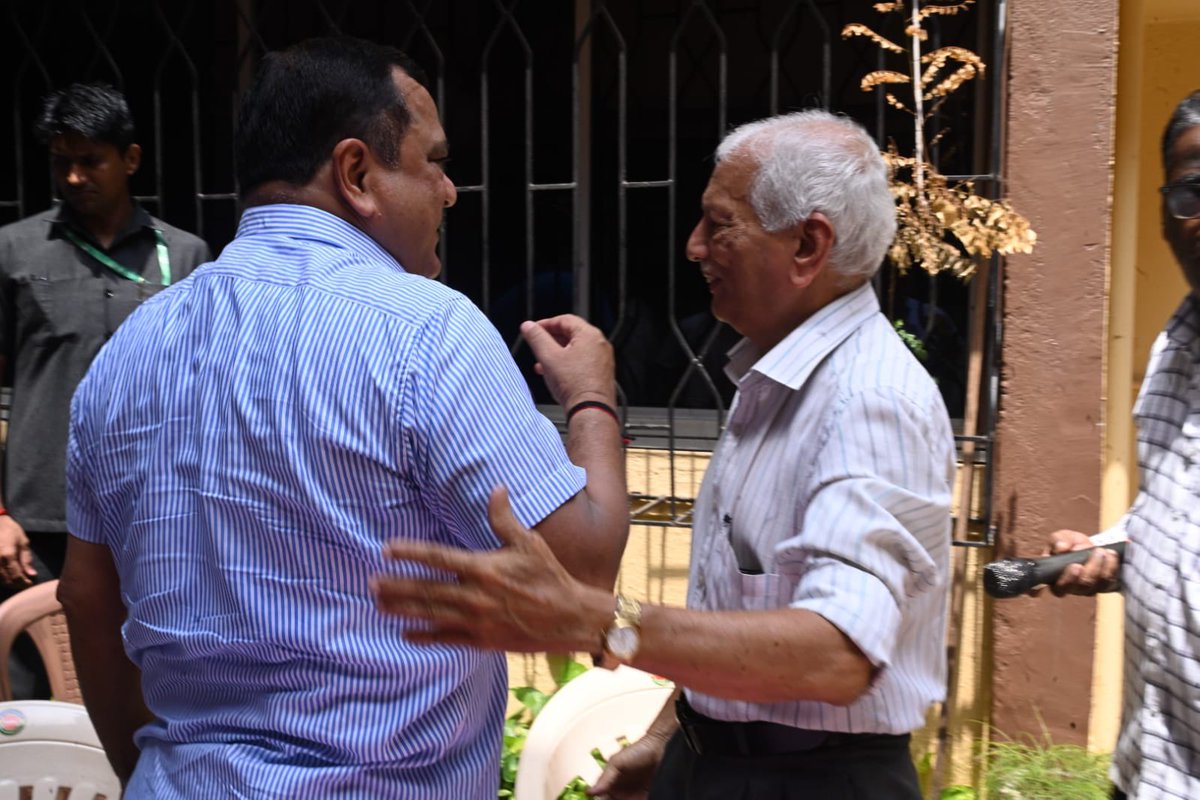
[(731, 178)]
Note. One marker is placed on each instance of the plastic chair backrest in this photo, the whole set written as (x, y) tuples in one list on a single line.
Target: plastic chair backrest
[(37, 612), (594, 711), (49, 750)]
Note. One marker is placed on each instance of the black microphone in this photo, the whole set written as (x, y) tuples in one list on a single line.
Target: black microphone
[(1016, 576)]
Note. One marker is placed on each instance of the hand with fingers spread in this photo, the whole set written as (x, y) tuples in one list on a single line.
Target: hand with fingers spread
[(16, 559), (574, 358), (517, 598), (1101, 572)]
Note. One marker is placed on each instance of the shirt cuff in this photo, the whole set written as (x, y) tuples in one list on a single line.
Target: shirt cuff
[(540, 501), (855, 602)]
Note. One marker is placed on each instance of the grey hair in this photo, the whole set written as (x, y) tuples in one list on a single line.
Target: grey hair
[(811, 161)]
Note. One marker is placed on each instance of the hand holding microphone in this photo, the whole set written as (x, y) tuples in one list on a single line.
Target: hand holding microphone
[(1098, 571)]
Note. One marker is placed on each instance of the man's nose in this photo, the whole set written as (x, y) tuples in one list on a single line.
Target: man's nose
[(451, 192), (696, 249), (75, 176)]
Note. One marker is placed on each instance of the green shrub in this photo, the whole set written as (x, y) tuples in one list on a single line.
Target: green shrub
[(1042, 770)]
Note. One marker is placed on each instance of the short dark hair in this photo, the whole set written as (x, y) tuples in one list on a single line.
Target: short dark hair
[(95, 111), (306, 99), (1186, 115)]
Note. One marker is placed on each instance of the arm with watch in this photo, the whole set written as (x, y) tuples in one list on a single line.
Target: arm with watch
[(520, 598)]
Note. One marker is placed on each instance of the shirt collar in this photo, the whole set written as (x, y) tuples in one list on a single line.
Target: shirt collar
[(140, 220), (795, 357), (1184, 327), (309, 223)]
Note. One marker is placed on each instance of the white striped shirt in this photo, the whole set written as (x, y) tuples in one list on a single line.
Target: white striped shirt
[(244, 445), (830, 491), (1158, 754)]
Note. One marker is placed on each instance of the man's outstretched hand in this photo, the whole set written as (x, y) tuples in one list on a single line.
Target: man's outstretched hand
[(517, 598)]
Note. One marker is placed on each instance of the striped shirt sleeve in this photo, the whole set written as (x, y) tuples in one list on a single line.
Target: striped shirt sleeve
[(471, 424), (84, 518), (878, 472)]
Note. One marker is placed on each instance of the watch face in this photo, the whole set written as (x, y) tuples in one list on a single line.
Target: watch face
[(623, 642)]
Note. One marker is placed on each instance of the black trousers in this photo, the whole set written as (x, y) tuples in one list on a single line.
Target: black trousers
[(1118, 794), (871, 768), (25, 670)]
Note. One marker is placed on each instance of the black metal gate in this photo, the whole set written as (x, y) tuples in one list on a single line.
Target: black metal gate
[(581, 134)]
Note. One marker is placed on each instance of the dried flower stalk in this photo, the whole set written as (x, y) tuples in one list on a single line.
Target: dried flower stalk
[(940, 226)]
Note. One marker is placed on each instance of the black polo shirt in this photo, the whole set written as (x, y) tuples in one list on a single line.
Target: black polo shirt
[(58, 305)]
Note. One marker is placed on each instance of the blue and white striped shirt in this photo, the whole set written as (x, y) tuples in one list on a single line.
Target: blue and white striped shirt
[(244, 445), (830, 491)]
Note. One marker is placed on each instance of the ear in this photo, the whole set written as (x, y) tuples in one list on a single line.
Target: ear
[(132, 158), (351, 163), (814, 242)]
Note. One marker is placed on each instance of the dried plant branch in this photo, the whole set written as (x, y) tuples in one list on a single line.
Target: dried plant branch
[(958, 226), (894, 102), (949, 10), (960, 76), (917, 32), (940, 226), (882, 76), (858, 29)]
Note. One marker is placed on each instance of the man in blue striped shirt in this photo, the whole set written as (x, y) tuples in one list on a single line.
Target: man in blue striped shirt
[(246, 443), (814, 637)]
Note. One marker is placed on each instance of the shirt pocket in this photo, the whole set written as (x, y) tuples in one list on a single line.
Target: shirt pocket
[(731, 588), (63, 308)]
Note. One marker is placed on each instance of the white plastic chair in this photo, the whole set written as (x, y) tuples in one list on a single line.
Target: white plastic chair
[(595, 710), (51, 749)]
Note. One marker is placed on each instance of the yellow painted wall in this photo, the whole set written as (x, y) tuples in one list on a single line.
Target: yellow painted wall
[(1158, 64)]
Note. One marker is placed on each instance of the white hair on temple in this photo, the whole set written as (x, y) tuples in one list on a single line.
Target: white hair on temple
[(817, 161)]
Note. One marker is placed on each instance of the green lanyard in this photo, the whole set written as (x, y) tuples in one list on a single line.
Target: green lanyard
[(164, 259)]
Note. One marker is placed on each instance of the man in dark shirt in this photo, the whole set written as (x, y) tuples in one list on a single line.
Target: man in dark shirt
[(68, 277)]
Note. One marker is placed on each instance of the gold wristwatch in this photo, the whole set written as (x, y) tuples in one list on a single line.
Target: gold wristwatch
[(623, 637)]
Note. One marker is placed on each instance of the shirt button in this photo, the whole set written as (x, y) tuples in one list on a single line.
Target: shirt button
[(108, 292)]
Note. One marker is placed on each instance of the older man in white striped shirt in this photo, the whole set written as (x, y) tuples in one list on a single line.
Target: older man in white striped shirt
[(813, 639)]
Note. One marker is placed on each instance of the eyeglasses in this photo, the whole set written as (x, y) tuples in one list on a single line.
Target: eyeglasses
[(1183, 199)]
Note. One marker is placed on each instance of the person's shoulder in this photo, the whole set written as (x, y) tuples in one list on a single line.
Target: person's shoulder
[(876, 359), (35, 225), (178, 237), (411, 299)]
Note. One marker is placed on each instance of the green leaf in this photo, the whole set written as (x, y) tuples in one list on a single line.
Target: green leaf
[(959, 793), (576, 789), (563, 667), (531, 698)]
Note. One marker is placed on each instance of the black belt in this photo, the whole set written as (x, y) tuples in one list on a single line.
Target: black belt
[(714, 737)]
